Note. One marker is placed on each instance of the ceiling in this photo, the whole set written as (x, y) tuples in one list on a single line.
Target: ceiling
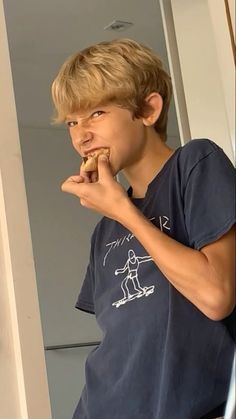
[(42, 34)]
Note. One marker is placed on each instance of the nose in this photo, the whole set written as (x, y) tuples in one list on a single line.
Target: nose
[(81, 138)]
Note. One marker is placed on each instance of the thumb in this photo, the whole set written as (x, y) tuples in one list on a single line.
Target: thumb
[(104, 170)]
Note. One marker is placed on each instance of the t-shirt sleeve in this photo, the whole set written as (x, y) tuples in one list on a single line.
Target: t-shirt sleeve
[(209, 198), (85, 301)]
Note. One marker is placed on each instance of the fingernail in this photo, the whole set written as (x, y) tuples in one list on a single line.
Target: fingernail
[(102, 157)]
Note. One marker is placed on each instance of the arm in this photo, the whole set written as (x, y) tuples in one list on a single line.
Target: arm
[(121, 270), (142, 259), (205, 277)]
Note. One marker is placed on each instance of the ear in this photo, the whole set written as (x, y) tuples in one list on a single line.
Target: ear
[(155, 102)]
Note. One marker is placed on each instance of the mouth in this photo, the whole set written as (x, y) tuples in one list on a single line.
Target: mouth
[(93, 151), (90, 160)]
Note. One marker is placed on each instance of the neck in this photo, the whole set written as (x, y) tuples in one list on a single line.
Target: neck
[(142, 172)]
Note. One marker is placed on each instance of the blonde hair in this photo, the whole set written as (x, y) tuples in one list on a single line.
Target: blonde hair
[(121, 71)]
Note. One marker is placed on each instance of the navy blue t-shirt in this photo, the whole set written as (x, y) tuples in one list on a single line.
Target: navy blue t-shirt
[(160, 357)]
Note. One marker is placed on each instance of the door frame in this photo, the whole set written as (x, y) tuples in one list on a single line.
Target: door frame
[(23, 384)]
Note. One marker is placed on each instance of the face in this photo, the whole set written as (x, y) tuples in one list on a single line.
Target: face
[(109, 127)]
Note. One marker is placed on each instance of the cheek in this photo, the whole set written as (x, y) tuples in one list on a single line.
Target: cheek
[(127, 147), (74, 142), (129, 133), (133, 136)]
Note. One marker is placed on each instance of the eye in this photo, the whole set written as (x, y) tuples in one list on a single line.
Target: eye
[(96, 114), (71, 124)]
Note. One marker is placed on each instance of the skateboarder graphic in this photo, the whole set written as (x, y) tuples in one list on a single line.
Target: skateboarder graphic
[(131, 267)]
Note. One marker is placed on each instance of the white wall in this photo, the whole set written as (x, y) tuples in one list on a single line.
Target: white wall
[(60, 230), (207, 68)]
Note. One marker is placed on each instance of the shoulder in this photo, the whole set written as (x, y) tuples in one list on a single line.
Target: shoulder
[(196, 151)]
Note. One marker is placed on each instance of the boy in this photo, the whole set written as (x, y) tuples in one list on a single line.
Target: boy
[(161, 273)]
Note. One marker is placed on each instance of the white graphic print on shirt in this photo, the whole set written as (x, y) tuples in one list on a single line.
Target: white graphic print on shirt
[(131, 268), (163, 223)]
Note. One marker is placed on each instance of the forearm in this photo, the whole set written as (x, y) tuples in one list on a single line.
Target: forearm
[(188, 270)]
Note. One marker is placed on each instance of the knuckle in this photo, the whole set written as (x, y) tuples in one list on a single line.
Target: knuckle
[(63, 187), (83, 202)]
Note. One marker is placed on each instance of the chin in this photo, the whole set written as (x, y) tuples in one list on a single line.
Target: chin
[(114, 172)]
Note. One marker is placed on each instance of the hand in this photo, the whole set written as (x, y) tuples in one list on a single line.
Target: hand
[(104, 195)]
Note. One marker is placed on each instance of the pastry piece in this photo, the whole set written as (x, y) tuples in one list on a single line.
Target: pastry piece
[(90, 163)]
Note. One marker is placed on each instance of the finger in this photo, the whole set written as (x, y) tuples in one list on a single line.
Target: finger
[(75, 178), (104, 170), (94, 176), (71, 183), (85, 175)]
